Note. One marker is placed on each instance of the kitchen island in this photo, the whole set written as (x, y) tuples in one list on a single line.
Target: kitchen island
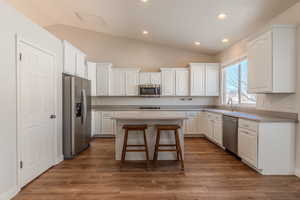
[(151, 118)]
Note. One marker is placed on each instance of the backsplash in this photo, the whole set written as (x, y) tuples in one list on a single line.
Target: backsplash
[(277, 102), (154, 101)]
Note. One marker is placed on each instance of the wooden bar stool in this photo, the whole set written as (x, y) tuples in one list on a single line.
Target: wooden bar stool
[(129, 128), (177, 145)]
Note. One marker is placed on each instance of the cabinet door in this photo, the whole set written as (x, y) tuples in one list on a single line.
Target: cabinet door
[(247, 146), (69, 59), (96, 123), (132, 81), (182, 83), (155, 78), (145, 78), (212, 79), (107, 123), (117, 83), (80, 65), (168, 83), (210, 128), (103, 75), (197, 80), (193, 123), (260, 64), (92, 76), (218, 133)]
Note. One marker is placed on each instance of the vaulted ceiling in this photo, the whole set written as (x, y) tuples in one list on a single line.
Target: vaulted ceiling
[(178, 23)]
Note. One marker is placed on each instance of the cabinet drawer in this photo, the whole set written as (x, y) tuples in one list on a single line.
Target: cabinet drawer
[(216, 117), (250, 125), (107, 114)]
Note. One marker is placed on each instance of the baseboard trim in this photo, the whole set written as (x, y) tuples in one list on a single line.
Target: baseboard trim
[(9, 194), (297, 172), (59, 159)]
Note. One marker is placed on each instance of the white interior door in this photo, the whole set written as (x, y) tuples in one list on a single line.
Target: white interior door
[(36, 103)]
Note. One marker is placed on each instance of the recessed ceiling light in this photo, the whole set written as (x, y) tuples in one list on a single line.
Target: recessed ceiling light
[(197, 43), (145, 32), (222, 16), (225, 40), (144, 1)]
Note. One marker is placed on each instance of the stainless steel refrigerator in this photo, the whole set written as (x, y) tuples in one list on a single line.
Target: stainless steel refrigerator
[(76, 115)]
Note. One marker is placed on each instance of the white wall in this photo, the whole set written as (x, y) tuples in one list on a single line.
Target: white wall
[(124, 52), (13, 23), (277, 102)]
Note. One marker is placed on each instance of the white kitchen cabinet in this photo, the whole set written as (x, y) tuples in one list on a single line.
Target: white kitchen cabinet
[(69, 58), (193, 123), (81, 69), (212, 80), (132, 82), (267, 147), (145, 78), (96, 123), (92, 76), (272, 61), (150, 78), (107, 123), (117, 83), (182, 82), (215, 128), (103, 76), (155, 78), (197, 79), (168, 82)]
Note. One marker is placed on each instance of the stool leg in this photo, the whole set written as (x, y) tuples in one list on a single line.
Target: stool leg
[(155, 157), (124, 146), (179, 147), (146, 148)]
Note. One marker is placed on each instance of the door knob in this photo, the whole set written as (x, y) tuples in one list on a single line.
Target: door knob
[(52, 116)]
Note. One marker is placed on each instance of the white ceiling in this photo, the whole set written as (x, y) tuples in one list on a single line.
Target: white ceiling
[(173, 22)]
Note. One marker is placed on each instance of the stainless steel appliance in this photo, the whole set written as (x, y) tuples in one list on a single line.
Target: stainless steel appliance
[(230, 134), (150, 90), (76, 115)]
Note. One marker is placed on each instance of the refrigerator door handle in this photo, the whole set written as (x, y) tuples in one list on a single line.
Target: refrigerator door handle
[(84, 106)]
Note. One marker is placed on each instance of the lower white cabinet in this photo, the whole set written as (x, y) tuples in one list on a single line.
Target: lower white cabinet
[(215, 128), (267, 147), (193, 123), (102, 124)]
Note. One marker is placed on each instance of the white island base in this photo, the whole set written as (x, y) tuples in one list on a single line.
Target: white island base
[(136, 137)]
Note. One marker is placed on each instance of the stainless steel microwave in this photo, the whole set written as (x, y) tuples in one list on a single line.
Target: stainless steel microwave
[(151, 90)]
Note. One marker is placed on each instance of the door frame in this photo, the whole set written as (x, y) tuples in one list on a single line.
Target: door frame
[(19, 39)]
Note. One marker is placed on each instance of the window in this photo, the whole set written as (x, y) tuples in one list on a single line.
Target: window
[(235, 82)]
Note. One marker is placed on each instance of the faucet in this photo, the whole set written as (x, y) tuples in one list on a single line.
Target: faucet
[(230, 102)]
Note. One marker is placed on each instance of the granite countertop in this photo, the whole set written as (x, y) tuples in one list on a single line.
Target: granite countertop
[(146, 118), (243, 115)]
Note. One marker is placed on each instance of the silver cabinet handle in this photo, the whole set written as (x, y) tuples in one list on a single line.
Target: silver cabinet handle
[(52, 116)]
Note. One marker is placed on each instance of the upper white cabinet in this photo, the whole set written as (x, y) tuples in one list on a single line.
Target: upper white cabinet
[(132, 82), (150, 78), (117, 82), (204, 79), (103, 77), (92, 76), (168, 82), (272, 61), (69, 58), (182, 82), (81, 68), (74, 61), (212, 79)]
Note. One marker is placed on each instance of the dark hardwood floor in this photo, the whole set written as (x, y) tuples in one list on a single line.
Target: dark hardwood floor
[(210, 173)]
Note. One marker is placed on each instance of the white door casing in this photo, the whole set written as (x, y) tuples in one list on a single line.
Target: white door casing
[(36, 98)]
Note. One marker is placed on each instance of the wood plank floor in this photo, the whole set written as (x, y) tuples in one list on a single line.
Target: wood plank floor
[(210, 174)]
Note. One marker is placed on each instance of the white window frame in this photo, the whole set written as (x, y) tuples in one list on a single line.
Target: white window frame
[(227, 64)]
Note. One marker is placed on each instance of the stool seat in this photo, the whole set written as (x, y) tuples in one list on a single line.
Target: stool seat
[(135, 127), (168, 127), (177, 146)]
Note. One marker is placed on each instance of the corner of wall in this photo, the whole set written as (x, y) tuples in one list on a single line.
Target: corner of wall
[(297, 172), (10, 193)]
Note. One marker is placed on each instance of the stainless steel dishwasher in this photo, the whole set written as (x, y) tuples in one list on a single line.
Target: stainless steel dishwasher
[(230, 134)]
